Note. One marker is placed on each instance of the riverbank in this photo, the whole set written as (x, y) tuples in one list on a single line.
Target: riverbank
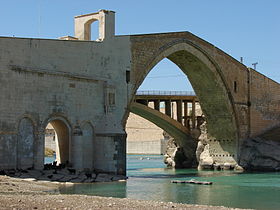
[(18, 193)]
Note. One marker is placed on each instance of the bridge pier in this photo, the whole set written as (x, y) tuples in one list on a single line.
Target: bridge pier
[(168, 107), (179, 110), (157, 105), (186, 124), (193, 113)]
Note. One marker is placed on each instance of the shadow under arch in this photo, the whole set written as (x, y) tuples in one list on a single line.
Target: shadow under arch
[(180, 133), (63, 129), (209, 85)]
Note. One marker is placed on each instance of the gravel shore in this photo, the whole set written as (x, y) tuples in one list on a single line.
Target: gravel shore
[(27, 194)]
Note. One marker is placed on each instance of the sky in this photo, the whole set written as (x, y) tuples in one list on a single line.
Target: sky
[(242, 28)]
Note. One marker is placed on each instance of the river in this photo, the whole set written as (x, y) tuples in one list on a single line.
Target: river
[(149, 179)]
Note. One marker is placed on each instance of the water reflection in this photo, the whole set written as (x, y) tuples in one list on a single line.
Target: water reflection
[(107, 189), (150, 180)]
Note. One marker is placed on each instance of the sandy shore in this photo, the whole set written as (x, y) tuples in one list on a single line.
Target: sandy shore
[(27, 194)]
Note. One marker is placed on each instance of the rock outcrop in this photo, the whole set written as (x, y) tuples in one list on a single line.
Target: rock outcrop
[(63, 175), (260, 154), (176, 158)]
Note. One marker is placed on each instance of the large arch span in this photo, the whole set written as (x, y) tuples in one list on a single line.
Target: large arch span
[(207, 78)]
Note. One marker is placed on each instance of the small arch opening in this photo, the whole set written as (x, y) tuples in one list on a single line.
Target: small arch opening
[(94, 31)]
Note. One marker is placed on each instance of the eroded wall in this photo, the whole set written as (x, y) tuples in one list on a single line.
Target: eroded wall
[(44, 80)]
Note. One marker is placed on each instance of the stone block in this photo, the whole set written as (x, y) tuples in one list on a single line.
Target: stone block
[(118, 177), (103, 178), (57, 177)]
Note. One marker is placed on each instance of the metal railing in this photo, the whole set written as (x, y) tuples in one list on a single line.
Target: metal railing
[(165, 93)]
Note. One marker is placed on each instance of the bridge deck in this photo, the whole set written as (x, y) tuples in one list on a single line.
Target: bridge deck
[(166, 95)]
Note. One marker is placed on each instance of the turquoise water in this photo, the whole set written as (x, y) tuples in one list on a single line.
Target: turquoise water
[(49, 159), (150, 180)]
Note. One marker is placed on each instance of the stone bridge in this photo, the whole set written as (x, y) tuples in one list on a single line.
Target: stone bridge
[(84, 89)]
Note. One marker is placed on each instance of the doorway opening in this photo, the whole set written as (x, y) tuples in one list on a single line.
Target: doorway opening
[(57, 143)]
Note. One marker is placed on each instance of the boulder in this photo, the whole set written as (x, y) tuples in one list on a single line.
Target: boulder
[(68, 178), (226, 166), (217, 166), (205, 160), (89, 180), (25, 175), (199, 150), (238, 168), (57, 177), (260, 154), (169, 162), (77, 180), (63, 171), (35, 173), (118, 177), (103, 178)]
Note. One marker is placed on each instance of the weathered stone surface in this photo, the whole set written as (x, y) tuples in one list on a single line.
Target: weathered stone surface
[(226, 166), (238, 168), (169, 162), (89, 180), (118, 177), (78, 180), (103, 178), (217, 166), (62, 176), (199, 150), (25, 175), (57, 177), (205, 160), (93, 175), (63, 172), (35, 173), (260, 154), (48, 172)]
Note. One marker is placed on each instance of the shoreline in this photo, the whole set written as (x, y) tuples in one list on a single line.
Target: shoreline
[(17, 193)]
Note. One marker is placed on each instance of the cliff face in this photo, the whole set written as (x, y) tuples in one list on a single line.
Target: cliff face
[(262, 153)]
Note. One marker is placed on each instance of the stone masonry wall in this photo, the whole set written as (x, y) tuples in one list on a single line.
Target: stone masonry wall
[(265, 103), (42, 80), (249, 99)]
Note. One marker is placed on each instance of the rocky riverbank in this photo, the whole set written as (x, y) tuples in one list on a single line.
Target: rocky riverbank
[(18, 193), (63, 175)]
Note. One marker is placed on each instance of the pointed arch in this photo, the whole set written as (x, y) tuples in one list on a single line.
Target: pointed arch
[(25, 144), (88, 147), (63, 129)]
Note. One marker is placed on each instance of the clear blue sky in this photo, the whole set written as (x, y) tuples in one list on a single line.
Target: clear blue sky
[(247, 28)]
